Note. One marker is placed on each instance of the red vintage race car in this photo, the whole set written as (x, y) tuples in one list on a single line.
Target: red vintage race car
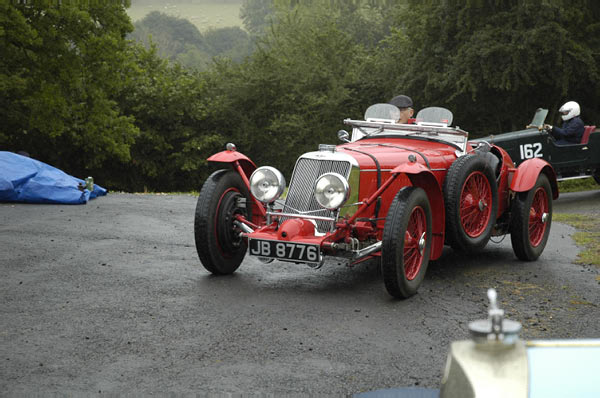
[(394, 192)]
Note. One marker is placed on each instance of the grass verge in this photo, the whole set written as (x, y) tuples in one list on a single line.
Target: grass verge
[(587, 236), (580, 184)]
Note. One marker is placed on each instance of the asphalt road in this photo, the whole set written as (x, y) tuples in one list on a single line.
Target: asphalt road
[(110, 297)]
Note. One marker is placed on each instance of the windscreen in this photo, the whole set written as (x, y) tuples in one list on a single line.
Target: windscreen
[(539, 118), (434, 114), (387, 112)]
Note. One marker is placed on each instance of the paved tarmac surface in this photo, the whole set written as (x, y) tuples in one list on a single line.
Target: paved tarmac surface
[(110, 297)]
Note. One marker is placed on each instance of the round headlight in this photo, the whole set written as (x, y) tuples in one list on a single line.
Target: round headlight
[(331, 190), (267, 184)]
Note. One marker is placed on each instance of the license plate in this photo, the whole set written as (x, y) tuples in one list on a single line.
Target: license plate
[(300, 252)]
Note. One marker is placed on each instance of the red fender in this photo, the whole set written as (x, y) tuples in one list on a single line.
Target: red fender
[(234, 156), (420, 176), (527, 174), (244, 166)]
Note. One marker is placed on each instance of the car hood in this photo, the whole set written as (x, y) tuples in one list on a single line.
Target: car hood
[(391, 153)]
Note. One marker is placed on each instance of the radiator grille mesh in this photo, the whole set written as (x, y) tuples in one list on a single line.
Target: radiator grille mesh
[(300, 197)]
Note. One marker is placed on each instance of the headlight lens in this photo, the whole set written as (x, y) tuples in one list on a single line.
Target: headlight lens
[(331, 190), (267, 184)]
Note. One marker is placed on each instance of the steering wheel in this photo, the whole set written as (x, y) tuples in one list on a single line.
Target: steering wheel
[(548, 132)]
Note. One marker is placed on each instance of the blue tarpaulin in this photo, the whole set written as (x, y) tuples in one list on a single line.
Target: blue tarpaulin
[(23, 179)]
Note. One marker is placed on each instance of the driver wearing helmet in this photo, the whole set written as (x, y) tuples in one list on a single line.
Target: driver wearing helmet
[(572, 129)]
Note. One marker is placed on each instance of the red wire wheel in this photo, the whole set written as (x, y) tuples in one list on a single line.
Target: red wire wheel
[(414, 242), (471, 202), (475, 204), (406, 242), (537, 217), (531, 220)]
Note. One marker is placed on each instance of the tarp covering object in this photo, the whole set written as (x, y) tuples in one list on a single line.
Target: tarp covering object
[(23, 179)]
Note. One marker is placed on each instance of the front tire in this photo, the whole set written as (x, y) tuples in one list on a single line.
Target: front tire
[(406, 242), (531, 220), (219, 246), (471, 197)]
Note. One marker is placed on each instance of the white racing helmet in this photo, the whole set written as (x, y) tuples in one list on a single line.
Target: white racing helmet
[(569, 110)]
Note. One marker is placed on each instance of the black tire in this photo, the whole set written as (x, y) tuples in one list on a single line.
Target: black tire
[(219, 246), (404, 254), (529, 228), (596, 176), (468, 188)]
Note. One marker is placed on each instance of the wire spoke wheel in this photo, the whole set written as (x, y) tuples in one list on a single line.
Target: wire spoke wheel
[(531, 220), (414, 242), (475, 210), (471, 202), (537, 217), (406, 242)]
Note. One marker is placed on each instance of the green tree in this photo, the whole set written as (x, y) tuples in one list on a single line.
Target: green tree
[(292, 94), (257, 15), (171, 35), (177, 39), (232, 43), (168, 104), (60, 71), (494, 62)]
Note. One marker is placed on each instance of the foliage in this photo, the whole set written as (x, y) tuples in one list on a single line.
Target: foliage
[(177, 39), (232, 43), (257, 15), (171, 35), (76, 93), (166, 103), (60, 70), (292, 92), (493, 62)]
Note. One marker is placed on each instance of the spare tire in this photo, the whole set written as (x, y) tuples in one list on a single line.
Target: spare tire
[(471, 200)]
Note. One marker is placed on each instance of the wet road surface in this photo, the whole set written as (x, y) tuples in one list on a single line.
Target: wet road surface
[(110, 297)]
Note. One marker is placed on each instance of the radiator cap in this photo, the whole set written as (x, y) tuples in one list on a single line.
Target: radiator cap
[(326, 148), (495, 329)]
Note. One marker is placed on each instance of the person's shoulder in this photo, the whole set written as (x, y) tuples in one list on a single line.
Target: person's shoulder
[(574, 121)]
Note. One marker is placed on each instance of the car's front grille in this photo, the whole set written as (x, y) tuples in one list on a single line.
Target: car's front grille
[(300, 197)]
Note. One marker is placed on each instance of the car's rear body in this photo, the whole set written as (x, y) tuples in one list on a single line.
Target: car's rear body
[(577, 160)]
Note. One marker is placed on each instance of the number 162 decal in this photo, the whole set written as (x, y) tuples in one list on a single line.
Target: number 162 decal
[(529, 151)]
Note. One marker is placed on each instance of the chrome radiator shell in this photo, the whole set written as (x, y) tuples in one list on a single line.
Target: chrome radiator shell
[(309, 167)]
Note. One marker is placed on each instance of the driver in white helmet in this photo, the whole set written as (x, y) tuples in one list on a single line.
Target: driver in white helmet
[(572, 128)]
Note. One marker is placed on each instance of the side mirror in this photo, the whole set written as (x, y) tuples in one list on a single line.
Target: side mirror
[(343, 135)]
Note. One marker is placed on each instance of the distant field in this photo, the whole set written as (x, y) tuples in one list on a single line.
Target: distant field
[(204, 16)]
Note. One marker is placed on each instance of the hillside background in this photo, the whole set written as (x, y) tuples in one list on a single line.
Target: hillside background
[(204, 14)]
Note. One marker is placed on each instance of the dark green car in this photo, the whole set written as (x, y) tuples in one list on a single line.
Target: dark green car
[(569, 161)]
